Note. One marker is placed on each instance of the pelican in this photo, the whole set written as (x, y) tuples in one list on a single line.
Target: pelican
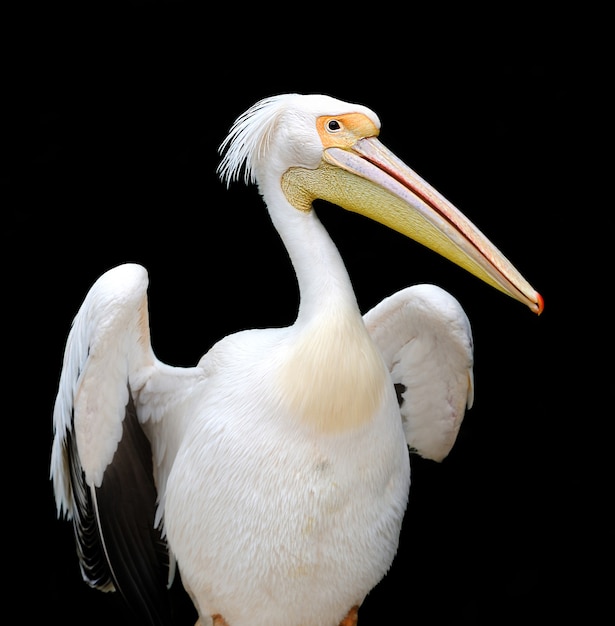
[(274, 474)]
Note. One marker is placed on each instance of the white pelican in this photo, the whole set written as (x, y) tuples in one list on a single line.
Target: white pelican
[(274, 473)]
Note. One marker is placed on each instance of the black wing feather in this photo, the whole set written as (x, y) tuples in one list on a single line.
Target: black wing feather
[(118, 545), (126, 501)]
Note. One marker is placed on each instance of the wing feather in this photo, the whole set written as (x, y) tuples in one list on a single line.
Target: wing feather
[(101, 461), (426, 341)]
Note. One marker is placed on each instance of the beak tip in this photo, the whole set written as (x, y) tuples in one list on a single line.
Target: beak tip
[(540, 304)]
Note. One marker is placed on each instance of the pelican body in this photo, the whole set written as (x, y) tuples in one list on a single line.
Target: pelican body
[(275, 473)]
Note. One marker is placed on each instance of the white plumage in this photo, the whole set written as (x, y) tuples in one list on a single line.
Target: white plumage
[(426, 341), (276, 470)]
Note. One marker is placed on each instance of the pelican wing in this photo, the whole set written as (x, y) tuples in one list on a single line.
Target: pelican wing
[(426, 341), (101, 464)]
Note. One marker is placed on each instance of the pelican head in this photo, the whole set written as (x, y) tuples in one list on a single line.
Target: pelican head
[(317, 147)]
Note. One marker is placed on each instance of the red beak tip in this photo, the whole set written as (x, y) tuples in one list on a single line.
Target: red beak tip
[(540, 304)]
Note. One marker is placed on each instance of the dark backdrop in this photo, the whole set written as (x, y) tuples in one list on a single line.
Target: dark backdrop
[(116, 117)]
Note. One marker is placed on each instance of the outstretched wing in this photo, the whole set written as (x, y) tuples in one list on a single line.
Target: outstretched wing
[(101, 462), (426, 340)]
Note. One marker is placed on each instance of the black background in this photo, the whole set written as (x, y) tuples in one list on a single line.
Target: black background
[(116, 115)]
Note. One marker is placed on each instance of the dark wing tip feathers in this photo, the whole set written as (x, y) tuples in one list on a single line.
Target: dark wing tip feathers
[(117, 542), (92, 561)]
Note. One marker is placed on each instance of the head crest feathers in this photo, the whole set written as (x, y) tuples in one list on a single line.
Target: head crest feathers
[(249, 139)]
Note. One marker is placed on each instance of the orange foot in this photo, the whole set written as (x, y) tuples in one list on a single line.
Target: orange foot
[(219, 620), (352, 618)]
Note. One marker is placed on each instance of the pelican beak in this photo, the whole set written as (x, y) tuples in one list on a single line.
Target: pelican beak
[(376, 183)]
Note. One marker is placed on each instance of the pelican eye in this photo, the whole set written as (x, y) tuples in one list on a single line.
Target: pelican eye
[(333, 126)]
